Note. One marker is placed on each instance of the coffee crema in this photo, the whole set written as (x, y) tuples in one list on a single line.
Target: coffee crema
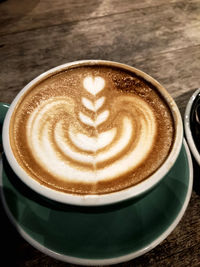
[(91, 130)]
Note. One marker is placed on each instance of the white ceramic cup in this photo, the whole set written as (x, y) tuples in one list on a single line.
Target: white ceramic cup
[(103, 199)]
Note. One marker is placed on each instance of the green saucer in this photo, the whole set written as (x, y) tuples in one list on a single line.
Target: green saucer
[(105, 235)]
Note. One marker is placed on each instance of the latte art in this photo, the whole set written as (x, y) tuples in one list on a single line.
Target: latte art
[(78, 132)]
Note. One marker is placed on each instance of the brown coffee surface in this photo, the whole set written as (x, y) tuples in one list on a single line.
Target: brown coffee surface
[(91, 130)]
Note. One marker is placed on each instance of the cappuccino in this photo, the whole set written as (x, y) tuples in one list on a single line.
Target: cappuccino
[(91, 129)]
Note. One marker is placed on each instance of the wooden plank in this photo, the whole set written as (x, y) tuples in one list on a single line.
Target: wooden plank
[(17, 16), (177, 70), (171, 72), (166, 50)]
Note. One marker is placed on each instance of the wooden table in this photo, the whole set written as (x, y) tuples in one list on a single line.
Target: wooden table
[(159, 37)]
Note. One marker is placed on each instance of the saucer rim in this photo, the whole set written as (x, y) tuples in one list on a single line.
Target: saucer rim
[(106, 261), (188, 133)]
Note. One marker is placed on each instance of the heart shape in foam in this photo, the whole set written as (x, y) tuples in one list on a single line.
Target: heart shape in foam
[(93, 85)]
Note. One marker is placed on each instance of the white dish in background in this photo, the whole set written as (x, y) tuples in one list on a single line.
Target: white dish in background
[(188, 131)]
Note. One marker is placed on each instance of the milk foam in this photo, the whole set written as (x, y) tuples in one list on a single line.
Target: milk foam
[(93, 106), (73, 155)]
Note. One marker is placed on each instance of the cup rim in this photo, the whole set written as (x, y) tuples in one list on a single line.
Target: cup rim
[(187, 123), (98, 199)]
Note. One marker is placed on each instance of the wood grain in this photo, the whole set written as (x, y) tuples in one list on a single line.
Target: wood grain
[(159, 37), (141, 42), (24, 15)]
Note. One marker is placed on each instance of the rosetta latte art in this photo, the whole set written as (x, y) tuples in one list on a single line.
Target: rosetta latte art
[(66, 150)]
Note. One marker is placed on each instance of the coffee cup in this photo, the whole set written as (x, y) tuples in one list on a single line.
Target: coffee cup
[(92, 133)]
